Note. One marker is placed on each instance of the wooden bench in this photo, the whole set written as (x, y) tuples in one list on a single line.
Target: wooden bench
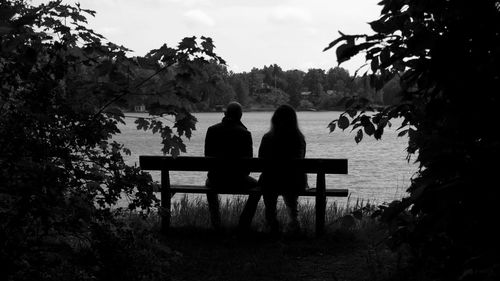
[(317, 166)]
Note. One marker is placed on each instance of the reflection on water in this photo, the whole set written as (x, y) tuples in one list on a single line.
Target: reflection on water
[(378, 170)]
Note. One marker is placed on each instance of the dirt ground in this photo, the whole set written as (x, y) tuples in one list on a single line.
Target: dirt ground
[(202, 254)]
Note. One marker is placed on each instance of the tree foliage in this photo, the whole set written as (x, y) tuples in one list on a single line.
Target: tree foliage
[(264, 87), (446, 56), (61, 89)]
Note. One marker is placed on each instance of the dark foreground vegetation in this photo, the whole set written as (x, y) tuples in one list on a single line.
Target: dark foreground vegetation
[(62, 87), (443, 52), (351, 249), (60, 172)]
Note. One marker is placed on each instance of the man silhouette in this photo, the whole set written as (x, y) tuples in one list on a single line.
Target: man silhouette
[(230, 139)]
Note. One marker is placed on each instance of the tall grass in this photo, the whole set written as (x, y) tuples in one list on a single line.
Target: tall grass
[(348, 224), (192, 211)]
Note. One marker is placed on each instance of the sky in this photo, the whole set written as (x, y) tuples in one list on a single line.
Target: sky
[(247, 34)]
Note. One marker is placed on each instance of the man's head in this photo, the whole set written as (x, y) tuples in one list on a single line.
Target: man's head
[(233, 111)]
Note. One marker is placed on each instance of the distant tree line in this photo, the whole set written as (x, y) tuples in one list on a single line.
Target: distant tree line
[(265, 88), (212, 85)]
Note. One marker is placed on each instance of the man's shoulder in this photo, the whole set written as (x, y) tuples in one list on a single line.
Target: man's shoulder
[(219, 127)]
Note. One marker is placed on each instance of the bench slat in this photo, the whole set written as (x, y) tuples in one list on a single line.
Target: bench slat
[(204, 189), (194, 163)]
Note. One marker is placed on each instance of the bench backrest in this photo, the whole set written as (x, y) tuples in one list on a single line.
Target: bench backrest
[(193, 163)]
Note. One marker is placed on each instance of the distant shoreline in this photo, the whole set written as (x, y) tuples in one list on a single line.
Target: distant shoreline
[(271, 109), (256, 110), (267, 109)]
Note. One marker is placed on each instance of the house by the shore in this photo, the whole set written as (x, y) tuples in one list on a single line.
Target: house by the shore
[(140, 108)]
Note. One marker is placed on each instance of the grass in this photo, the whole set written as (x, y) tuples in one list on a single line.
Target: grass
[(351, 249), (192, 212)]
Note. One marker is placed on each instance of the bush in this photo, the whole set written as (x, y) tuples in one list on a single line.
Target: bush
[(61, 90), (446, 55)]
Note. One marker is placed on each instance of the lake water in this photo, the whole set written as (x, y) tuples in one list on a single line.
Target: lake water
[(378, 170)]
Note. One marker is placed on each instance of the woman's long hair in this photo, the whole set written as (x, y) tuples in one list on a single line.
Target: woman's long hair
[(284, 124)]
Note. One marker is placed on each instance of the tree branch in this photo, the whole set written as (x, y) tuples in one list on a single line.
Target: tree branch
[(136, 87)]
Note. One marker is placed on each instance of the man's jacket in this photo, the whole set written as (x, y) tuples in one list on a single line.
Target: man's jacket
[(228, 139)]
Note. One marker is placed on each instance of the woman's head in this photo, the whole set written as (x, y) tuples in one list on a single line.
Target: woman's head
[(284, 120)]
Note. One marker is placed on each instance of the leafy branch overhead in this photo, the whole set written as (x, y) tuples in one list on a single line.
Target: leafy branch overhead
[(400, 50), (176, 71)]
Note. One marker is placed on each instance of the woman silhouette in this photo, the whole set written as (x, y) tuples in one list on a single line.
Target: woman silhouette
[(283, 141)]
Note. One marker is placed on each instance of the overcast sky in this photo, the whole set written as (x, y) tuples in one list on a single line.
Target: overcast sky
[(246, 34)]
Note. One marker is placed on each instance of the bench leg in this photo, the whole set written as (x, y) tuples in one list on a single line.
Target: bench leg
[(165, 201), (320, 203)]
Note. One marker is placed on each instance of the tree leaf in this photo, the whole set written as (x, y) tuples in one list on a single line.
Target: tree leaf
[(402, 133), (378, 133), (343, 122), (378, 26), (359, 136), (345, 52), (332, 126), (374, 64), (348, 38), (142, 124), (188, 43), (207, 44), (333, 43), (385, 56), (365, 120), (369, 129)]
